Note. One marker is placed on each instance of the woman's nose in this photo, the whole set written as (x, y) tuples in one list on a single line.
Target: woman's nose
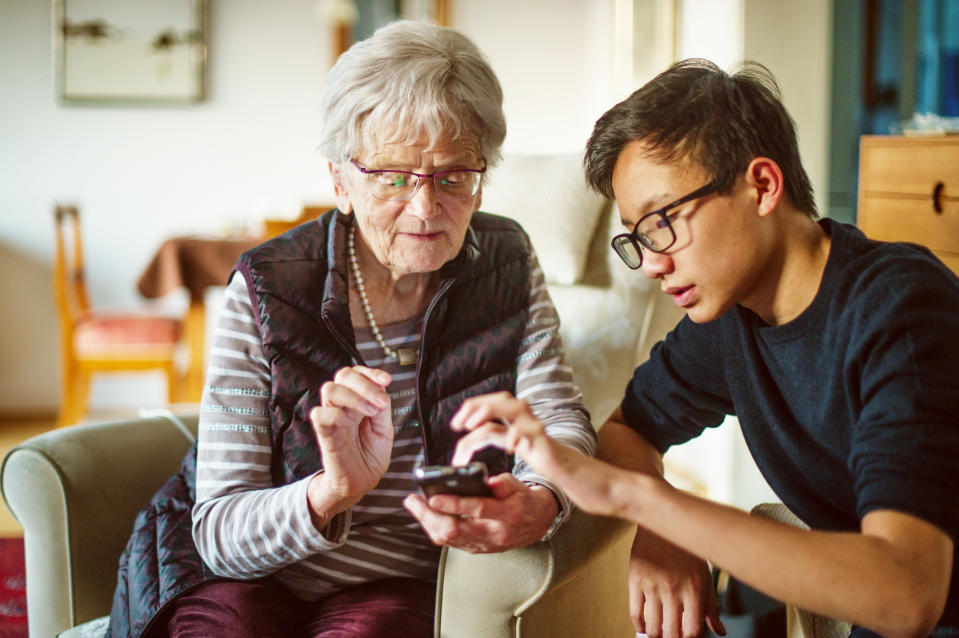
[(423, 203)]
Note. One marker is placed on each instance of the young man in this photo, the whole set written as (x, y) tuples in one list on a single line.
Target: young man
[(838, 355)]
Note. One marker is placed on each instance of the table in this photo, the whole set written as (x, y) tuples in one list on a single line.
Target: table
[(194, 263)]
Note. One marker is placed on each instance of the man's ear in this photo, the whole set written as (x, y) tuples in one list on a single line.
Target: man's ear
[(765, 179), (340, 191)]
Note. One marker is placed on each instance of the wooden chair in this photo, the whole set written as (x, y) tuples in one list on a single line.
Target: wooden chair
[(93, 342), (273, 226)]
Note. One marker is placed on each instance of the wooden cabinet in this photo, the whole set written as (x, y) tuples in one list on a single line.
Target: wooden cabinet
[(909, 191)]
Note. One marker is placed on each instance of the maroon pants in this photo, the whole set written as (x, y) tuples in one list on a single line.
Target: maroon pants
[(263, 609)]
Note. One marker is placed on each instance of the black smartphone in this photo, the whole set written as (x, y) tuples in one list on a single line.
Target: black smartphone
[(468, 480)]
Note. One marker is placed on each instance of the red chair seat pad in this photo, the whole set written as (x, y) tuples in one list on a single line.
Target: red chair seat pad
[(126, 331)]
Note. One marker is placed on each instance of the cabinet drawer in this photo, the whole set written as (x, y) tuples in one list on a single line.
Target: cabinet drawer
[(891, 218), (909, 166)]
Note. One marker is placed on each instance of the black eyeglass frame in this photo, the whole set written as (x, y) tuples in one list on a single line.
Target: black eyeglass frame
[(419, 176), (639, 241)]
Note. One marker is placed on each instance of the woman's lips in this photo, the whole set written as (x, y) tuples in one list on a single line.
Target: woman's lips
[(423, 236)]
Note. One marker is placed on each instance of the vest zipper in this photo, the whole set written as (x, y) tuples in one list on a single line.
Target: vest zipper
[(340, 339), (424, 433)]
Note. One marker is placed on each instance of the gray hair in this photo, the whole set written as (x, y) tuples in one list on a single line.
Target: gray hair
[(408, 79)]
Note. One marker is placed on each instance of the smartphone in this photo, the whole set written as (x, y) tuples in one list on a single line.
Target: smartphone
[(468, 480)]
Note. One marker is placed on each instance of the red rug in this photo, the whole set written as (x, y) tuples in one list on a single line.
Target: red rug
[(13, 589)]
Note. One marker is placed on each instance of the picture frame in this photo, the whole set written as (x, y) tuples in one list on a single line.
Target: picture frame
[(116, 51)]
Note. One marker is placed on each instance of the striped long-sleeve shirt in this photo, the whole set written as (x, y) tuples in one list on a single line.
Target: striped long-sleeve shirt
[(245, 528)]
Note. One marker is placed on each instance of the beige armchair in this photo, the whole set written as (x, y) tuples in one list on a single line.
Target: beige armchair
[(77, 490)]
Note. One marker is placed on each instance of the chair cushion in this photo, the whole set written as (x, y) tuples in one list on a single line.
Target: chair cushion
[(100, 333), (548, 196), (94, 629), (809, 623)]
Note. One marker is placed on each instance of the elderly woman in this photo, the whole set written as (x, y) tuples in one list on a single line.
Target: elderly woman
[(343, 349)]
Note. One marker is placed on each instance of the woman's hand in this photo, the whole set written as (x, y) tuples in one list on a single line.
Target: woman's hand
[(516, 516), (354, 428)]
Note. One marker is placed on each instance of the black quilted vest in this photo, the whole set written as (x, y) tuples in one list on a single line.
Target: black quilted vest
[(299, 287)]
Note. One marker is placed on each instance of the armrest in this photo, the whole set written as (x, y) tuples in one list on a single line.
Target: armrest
[(800, 622), (76, 492), (572, 585)]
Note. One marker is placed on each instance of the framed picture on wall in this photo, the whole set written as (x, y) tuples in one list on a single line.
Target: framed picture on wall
[(120, 51)]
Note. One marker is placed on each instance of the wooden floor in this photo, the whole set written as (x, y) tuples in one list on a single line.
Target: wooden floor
[(16, 430)]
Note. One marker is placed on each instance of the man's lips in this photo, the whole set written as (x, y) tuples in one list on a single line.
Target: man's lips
[(681, 295)]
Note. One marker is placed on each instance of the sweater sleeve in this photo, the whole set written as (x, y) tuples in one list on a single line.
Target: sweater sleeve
[(906, 437), (243, 526), (545, 380), (681, 389)]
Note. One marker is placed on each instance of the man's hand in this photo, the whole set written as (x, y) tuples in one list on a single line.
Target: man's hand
[(354, 429), (517, 515), (670, 590), (593, 486), (502, 420)]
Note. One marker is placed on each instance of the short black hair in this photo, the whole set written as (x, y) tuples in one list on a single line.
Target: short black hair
[(696, 110)]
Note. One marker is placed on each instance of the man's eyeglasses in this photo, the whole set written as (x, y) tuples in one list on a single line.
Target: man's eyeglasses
[(654, 231), (393, 185)]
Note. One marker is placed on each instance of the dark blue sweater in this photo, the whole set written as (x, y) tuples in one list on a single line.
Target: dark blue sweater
[(851, 407)]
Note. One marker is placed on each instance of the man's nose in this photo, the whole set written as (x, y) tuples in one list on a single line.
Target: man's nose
[(655, 265)]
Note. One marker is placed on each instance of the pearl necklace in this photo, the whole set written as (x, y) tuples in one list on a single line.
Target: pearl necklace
[(405, 356)]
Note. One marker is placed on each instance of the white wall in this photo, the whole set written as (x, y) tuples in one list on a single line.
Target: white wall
[(143, 173), (794, 40), (554, 60)]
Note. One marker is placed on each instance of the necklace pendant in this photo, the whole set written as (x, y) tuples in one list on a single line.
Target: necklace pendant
[(407, 356)]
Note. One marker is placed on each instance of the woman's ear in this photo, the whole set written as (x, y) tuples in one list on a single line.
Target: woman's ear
[(340, 191), (766, 180)]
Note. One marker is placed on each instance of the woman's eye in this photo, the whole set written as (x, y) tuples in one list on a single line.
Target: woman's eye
[(396, 180), (453, 179)]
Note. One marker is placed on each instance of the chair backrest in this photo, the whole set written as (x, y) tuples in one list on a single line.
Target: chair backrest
[(69, 285), (277, 226)]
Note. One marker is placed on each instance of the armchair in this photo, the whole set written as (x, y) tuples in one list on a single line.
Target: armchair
[(77, 490)]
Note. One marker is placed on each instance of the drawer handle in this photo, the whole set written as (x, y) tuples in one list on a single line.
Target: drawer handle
[(937, 197)]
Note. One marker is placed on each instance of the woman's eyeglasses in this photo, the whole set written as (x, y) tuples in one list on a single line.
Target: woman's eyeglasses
[(393, 185)]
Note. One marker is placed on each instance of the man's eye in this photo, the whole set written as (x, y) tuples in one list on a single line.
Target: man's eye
[(671, 216), (662, 221)]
